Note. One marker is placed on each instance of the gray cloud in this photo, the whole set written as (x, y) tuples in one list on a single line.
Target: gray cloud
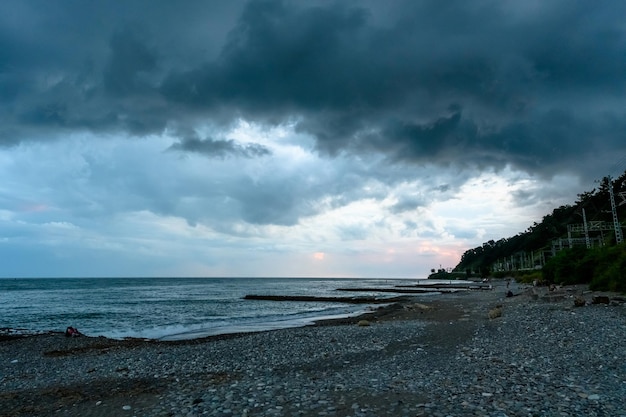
[(130, 60), (471, 84), (490, 85), (408, 204), (220, 148)]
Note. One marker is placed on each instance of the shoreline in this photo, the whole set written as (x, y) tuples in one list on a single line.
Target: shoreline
[(418, 357)]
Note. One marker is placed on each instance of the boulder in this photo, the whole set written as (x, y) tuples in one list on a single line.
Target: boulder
[(579, 302), (363, 323)]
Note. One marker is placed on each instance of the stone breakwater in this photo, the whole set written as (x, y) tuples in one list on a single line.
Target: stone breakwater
[(439, 358)]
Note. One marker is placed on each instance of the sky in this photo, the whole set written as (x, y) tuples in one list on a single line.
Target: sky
[(296, 138)]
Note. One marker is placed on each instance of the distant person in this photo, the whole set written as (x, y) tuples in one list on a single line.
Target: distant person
[(72, 332)]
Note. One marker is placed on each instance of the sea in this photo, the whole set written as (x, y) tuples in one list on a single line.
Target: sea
[(173, 308)]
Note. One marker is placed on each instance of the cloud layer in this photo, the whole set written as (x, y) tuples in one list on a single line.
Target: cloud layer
[(487, 83)]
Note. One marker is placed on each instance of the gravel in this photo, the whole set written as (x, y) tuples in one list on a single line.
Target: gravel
[(538, 359)]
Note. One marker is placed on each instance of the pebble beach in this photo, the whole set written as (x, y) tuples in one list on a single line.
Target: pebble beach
[(473, 353)]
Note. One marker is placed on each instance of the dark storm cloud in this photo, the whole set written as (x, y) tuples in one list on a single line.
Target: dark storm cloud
[(539, 143), (278, 58), (130, 59), (483, 84), (101, 63), (487, 83), (220, 148)]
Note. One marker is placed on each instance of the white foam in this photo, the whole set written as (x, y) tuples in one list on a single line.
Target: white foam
[(187, 332)]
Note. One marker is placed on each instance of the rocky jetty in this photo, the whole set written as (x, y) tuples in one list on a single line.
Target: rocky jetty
[(301, 298)]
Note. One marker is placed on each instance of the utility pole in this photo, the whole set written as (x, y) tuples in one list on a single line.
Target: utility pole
[(586, 230), (618, 228)]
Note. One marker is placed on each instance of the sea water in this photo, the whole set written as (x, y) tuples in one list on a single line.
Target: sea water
[(172, 308)]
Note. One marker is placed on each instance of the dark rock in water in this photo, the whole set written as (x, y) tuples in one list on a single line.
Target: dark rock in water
[(600, 299), (579, 302)]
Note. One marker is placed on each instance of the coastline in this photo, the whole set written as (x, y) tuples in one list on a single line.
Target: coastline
[(414, 358), (177, 308)]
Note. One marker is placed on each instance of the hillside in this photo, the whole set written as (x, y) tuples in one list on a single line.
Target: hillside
[(562, 229)]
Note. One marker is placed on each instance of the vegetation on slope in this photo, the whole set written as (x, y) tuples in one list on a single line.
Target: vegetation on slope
[(603, 267)]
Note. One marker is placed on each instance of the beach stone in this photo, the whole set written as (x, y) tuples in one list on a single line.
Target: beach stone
[(363, 323), (495, 312), (127, 408), (579, 302)]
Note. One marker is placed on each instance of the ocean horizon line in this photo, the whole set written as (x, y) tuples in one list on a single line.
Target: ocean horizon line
[(215, 277)]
